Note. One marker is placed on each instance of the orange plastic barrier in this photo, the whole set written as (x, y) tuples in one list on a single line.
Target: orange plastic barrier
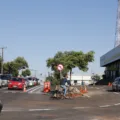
[(46, 87)]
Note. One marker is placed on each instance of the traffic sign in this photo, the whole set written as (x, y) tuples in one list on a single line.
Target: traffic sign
[(60, 67)]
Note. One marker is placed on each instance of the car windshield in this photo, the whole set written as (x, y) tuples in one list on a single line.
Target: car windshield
[(4, 77), (17, 79), (116, 79), (30, 79)]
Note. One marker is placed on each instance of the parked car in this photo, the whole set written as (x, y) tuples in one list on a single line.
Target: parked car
[(34, 80), (31, 82), (26, 82), (16, 83), (116, 84), (4, 79)]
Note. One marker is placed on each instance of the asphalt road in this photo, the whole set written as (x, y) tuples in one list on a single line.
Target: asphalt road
[(98, 104)]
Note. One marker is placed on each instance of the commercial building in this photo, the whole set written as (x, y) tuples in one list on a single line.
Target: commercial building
[(111, 62), (77, 80)]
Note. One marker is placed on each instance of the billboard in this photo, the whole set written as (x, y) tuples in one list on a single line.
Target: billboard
[(110, 57)]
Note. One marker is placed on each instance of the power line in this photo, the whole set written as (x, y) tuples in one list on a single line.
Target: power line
[(2, 48)]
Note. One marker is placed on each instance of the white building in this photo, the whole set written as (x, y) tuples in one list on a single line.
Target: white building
[(76, 80)]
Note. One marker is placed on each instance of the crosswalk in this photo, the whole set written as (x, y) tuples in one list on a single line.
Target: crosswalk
[(33, 90)]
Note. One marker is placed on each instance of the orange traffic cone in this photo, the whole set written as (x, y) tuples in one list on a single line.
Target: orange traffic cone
[(81, 90), (109, 84), (24, 89), (85, 90)]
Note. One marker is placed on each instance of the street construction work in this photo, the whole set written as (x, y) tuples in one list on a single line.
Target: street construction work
[(72, 92)]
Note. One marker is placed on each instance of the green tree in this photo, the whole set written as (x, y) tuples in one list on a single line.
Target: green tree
[(21, 63), (26, 72), (96, 77), (14, 66), (70, 60), (10, 68)]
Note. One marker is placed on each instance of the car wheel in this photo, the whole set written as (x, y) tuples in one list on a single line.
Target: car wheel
[(113, 89)]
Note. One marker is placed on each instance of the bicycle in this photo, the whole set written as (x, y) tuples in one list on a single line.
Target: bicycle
[(59, 94)]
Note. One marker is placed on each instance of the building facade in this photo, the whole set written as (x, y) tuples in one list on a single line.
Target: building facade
[(77, 80), (111, 62)]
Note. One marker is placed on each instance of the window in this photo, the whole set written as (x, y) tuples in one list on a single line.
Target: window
[(17, 79), (75, 81)]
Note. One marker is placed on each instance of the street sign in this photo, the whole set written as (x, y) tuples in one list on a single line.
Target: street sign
[(60, 67)]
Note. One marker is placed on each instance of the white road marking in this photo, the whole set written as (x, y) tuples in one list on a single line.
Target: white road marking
[(31, 88), (105, 106), (117, 104), (116, 93), (34, 89), (6, 91), (97, 88), (3, 88), (81, 107), (13, 110), (31, 110)]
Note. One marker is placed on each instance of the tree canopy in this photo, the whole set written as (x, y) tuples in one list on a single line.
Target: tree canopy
[(70, 60), (13, 67), (26, 72), (96, 77)]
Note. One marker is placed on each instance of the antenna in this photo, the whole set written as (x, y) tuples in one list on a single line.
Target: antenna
[(117, 36)]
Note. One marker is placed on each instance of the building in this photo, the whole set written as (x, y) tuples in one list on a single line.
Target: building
[(77, 80), (111, 60)]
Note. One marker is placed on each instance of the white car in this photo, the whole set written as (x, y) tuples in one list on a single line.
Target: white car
[(4, 79), (31, 82)]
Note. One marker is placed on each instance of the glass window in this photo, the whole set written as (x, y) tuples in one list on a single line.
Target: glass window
[(17, 79)]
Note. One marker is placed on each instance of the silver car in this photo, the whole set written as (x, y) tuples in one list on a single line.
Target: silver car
[(26, 82), (116, 84), (4, 79)]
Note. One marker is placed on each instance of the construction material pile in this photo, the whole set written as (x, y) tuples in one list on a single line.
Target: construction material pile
[(73, 91)]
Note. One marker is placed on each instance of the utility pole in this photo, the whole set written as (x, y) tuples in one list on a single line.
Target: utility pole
[(2, 58)]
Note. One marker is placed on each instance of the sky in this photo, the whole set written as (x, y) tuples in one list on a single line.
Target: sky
[(37, 29)]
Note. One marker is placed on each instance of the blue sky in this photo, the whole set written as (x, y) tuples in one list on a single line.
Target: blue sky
[(37, 29)]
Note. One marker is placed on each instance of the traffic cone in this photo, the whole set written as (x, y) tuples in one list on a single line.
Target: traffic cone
[(85, 90), (81, 90), (24, 89), (109, 84)]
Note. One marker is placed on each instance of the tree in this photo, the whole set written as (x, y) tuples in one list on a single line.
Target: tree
[(10, 68), (70, 60), (14, 66), (26, 72), (95, 77), (21, 63)]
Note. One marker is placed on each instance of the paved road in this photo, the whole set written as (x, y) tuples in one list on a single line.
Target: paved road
[(97, 104)]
